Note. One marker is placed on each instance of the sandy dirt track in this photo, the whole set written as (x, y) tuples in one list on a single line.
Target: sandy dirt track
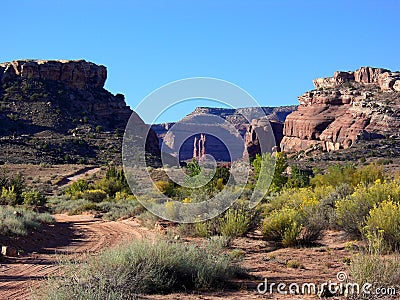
[(73, 236)]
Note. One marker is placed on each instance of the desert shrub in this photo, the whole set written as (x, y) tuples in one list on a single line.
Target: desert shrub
[(33, 198), (193, 168), (76, 189), (384, 219), (338, 175), (282, 226), (62, 204), (334, 176), (143, 267), (72, 207), (124, 196), (294, 264), (222, 174), (86, 206), (109, 185), (296, 215), (352, 210), (165, 187), (94, 195), (111, 210), (298, 178), (18, 221), (367, 174), (11, 188), (236, 221), (120, 210), (295, 197), (202, 229), (266, 159), (8, 196), (325, 212), (113, 182), (380, 271)]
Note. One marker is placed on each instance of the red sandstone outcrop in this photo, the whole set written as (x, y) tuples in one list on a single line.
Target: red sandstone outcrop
[(348, 106), (77, 74), (250, 133)]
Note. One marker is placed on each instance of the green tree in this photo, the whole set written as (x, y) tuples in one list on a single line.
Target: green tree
[(193, 168)]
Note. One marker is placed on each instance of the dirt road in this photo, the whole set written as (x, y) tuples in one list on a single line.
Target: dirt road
[(72, 236)]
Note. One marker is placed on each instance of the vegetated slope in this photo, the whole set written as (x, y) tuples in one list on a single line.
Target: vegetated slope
[(59, 112)]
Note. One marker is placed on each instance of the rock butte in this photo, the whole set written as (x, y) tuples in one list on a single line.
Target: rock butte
[(60, 101), (363, 104), (78, 74)]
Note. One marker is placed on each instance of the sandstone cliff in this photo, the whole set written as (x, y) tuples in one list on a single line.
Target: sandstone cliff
[(349, 106), (77, 74)]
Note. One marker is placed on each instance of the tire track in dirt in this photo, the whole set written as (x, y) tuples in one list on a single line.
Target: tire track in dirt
[(85, 236)]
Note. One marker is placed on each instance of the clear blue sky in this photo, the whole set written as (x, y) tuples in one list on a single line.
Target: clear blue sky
[(272, 49)]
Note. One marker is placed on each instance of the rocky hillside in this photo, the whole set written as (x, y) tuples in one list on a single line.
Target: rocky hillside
[(343, 109), (212, 145), (59, 112)]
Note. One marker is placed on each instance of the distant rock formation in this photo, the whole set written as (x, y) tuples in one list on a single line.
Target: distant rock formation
[(387, 80), (258, 130), (363, 104), (77, 74), (249, 132), (199, 147)]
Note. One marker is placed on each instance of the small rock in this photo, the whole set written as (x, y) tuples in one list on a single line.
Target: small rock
[(9, 251)]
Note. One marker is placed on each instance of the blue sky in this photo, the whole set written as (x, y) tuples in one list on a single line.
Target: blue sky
[(272, 49)]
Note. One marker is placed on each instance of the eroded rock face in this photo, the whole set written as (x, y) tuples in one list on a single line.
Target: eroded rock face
[(77, 74), (250, 133), (259, 130), (384, 78), (344, 108)]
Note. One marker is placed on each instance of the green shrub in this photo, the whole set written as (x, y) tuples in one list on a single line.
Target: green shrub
[(326, 210), (120, 210), (143, 267), (76, 189), (33, 198), (280, 161), (86, 206), (165, 187), (236, 221), (385, 219), (381, 271), (294, 264), (8, 196), (352, 210), (94, 195), (338, 175), (18, 222), (11, 188), (282, 226), (202, 229), (298, 178)]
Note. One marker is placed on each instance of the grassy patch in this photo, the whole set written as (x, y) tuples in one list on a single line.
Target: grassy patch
[(18, 221), (144, 267)]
